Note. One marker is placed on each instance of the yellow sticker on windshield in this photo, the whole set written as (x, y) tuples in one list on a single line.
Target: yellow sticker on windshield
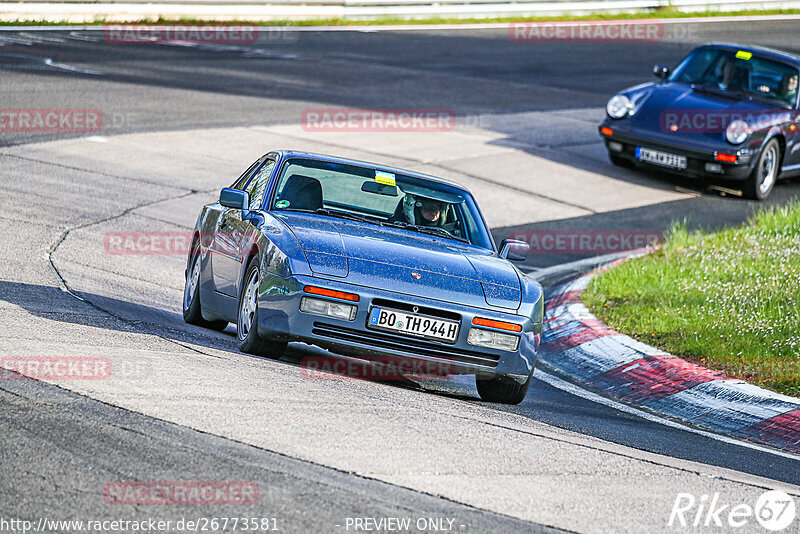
[(741, 54), (386, 178)]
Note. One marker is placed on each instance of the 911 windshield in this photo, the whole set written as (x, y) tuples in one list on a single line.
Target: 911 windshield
[(379, 197), (739, 72)]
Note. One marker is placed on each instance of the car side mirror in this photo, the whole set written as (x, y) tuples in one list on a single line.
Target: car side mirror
[(511, 249), (661, 72), (234, 198)]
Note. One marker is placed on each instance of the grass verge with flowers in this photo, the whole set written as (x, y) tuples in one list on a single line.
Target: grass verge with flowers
[(729, 301)]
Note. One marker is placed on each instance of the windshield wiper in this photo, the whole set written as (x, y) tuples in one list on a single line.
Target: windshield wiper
[(730, 93), (433, 230), (430, 230), (342, 215), (337, 213), (727, 93), (400, 224)]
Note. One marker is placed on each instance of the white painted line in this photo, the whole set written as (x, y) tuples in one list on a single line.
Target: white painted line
[(46, 61), (11, 40), (41, 38), (50, 63), (420, 27), (594, 397)]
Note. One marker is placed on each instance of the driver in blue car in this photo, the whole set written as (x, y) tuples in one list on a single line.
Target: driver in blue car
[(788, 88), (420, 211)]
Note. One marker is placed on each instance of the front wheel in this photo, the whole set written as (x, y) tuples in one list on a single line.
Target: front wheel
[(247, 325), (759, 184), (503, 390), (191, 298)]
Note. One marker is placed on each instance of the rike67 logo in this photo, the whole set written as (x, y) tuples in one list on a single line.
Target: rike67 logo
[(774, 510)]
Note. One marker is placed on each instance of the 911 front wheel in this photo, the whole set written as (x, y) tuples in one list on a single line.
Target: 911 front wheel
[(759, 184)]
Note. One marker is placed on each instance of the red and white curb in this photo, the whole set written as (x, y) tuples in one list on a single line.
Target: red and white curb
[(577, 344)]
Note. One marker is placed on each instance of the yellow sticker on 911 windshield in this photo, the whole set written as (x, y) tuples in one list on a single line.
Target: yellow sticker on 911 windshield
[(741, 54), (386, 178)]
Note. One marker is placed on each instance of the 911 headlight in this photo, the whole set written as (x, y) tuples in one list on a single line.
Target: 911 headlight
[(737, 132), (619, 106)]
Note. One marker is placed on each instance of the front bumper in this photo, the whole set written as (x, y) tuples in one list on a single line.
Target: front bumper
[(280, 318), (697, 155)]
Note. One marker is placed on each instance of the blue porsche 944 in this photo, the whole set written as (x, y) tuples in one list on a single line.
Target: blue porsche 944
[(365, 261), (726, 112)]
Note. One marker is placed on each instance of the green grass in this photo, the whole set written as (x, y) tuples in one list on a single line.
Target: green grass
[(729, 301), (658, 14)]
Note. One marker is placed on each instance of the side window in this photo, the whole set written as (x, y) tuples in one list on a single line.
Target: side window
[(242, 180), (258, 185)]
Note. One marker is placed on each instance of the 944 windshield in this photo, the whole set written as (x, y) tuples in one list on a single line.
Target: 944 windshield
[(379, 197)]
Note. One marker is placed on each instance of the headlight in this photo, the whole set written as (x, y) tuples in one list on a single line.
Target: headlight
[(618, 106), (490, 338), (328, 308), (737, 132)]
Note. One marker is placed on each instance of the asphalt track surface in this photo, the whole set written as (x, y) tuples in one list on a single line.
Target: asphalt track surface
[(59, 447)]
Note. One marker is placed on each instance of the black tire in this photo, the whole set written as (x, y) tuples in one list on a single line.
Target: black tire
[(619, 160), (247, 318), (502, 390), (762, 180), (191, 298)]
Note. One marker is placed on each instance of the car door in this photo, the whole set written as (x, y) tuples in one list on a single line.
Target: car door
[(232, 234), (220, 247)]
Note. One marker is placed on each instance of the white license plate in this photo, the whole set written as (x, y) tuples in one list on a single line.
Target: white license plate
[(665, 159), (413, 324)]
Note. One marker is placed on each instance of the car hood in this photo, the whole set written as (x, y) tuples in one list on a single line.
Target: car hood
[(404, 262), (697, 113)]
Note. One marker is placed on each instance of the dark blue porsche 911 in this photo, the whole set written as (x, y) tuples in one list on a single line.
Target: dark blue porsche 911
[(366, 261), (727, 112)]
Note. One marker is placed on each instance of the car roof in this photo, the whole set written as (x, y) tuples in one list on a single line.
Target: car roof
[(346, 161), (762, 51)]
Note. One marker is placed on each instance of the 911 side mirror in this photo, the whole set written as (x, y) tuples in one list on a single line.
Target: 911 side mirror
[(511, 249), (661, 72)]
